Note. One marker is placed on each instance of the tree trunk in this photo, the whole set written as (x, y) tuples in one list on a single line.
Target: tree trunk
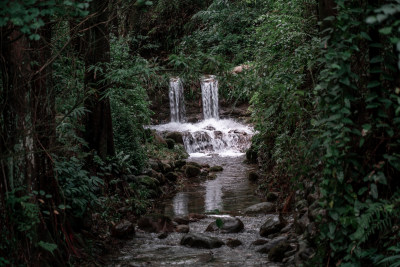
[(98, 123)]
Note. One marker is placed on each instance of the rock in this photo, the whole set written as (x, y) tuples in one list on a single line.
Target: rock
[(172, 176), (211, 176), (287, 228), (204, 173), (192, 163), (192, 171), (301, 224), (272, 243), (312, 198), (201, 241), (251, 155), (158, 138), (156, 224), (271, 226), (163, 235), (194, 217), (216, 169), (229, 225), (179, 164), (253, 176), (272, 196), (259, 242), (182, 220), (170, 143), (123, 229), (176, 136), (301, 205), (277, 253), (263, 207), (233, 243), (182, 228)]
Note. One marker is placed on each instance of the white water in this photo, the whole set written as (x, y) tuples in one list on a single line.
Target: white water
[(209, 94), (176, 100), (227, 138)]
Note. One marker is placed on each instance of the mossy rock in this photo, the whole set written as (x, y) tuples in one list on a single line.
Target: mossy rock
[(192, 171), (170, 143), (216, 169)]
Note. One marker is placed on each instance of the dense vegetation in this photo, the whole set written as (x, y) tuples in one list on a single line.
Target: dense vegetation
[(322, 78)]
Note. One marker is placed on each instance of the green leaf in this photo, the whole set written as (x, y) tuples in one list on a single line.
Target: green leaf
[(386, 30), (47, 246), (374, 191), (219, 223)]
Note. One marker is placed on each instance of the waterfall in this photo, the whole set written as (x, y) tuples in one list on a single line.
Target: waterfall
[(209, 92), (176, 100)]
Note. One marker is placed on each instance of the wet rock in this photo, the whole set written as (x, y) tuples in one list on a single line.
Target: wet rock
[(201, 241), (156, 224), (123, 229), (301, 224), (176, 136), (182, 228), (229, 225), (192, 163), (211, 176), (172, 176), (194, 217), (271, 226), (260, 242), (192, 171), (216, 169), (170, 143), (301, 205), (277, 253), (182, 220), (272, 196), (163, 235), (233, 243), (251, 155), (263, 207), (287, 228), (253, 176), (204, 172), (272, 243)]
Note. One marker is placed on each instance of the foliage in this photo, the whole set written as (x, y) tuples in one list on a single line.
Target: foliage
[(358, 99)]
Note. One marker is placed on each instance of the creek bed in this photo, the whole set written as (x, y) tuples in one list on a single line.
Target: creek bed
[(228, 194)]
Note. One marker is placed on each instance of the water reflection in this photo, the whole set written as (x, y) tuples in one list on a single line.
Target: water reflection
[(213, 197), (180, 204)]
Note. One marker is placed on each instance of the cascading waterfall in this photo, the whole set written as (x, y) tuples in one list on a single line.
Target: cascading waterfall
[(209, 92), (176, 100)]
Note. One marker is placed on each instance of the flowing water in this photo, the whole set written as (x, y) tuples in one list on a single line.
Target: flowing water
[(176, 100), (209, 94)]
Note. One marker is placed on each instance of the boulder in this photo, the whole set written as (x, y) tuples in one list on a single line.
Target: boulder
[(158, 139), (271, 226), (170, 143), (272, 243), (253, 176), (182, 228), (179, 164), (123, 229), (192, 171), (201, 241), (216, 169), (277, 253), (156, 224), (229, 225), (194, 217), (176, 136), (233, 243), (163, 235), (263, 207)]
